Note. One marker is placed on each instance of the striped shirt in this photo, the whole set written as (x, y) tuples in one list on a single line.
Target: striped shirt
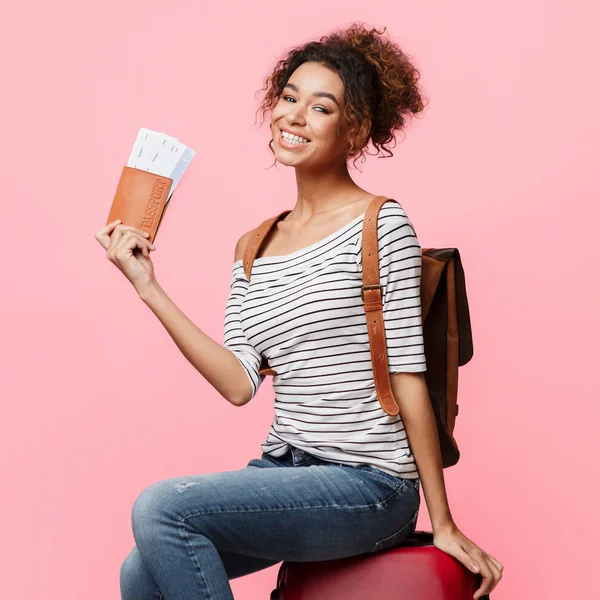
[(304, 313)]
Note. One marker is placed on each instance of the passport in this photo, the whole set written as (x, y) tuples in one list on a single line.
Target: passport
[(155, 166)]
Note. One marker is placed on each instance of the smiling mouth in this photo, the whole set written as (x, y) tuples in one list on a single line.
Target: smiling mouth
[(292, 141)]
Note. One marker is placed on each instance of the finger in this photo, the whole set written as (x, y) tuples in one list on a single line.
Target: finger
[(142, 232), (148, 247), (108, 227), (130, 240), (466, 559), (123, 228), (103, 236), (487, 576), (117, 224), (120, 229), (485, 587), (496, 575), (498, 564), (118, 234)]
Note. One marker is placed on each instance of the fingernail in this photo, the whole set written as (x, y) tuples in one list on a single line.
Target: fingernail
[(475, 567), (146, 233)]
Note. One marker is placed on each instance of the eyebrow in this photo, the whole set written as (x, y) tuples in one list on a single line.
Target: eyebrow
[(319, 94)]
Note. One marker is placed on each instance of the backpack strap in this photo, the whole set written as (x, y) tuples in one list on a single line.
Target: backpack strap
[(256, 241), (250, 251), (372, 296)]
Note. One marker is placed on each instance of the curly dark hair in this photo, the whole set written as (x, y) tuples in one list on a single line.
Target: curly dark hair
[(380, 84)]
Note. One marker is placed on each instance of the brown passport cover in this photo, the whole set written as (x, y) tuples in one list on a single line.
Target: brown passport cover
[(140, 200)]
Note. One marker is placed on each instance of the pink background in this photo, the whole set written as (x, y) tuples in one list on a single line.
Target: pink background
[(97, 400)]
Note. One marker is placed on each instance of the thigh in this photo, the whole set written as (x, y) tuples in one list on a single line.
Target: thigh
[(273, 511), (238, 565)]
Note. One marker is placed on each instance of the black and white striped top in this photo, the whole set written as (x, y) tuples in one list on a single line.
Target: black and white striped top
[(303, 311)]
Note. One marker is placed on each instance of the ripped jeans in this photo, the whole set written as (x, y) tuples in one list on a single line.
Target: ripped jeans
[(193, 534)]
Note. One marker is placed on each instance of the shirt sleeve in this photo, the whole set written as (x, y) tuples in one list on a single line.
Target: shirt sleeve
[(400, 275), (234, 337)]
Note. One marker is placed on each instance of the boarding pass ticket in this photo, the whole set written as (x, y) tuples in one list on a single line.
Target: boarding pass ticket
[(162, 154)]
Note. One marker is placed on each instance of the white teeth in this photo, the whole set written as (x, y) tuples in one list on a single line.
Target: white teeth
[(293, 139)]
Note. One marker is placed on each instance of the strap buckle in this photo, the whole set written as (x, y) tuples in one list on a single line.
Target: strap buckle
[(371, 287)]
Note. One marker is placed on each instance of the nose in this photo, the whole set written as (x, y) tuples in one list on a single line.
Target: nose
[(295, 114)]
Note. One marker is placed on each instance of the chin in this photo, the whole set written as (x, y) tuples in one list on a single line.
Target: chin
[(287, 160)]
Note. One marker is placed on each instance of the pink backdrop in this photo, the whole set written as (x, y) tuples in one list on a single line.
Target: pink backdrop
[(97, 400)]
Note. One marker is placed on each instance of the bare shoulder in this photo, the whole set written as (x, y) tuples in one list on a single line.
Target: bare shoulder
[(241, 245)]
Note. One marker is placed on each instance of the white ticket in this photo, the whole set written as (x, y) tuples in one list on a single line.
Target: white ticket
[(162, 154)]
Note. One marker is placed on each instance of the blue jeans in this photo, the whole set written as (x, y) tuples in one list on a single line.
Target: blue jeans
[(193, 534)]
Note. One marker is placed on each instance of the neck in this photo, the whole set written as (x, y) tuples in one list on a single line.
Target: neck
[(324, 190)]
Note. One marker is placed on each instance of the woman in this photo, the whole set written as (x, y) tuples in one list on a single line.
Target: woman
[(337, 475)]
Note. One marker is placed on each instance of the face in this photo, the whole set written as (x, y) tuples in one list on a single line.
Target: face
[(311, 105)]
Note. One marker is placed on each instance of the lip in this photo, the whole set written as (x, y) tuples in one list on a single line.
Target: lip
[(287, 145), (293, 133)]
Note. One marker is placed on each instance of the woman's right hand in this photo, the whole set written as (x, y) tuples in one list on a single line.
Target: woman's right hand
[(121, 242)]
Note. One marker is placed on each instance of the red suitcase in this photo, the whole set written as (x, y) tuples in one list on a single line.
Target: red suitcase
[(415, 570)]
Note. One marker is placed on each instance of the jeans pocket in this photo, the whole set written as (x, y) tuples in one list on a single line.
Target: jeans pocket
[(415, 483), (396, 538)]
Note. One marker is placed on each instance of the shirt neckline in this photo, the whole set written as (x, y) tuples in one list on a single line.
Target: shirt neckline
[(313, 246)]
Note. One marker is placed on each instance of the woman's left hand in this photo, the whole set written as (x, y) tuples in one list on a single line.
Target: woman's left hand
[(453, 542)]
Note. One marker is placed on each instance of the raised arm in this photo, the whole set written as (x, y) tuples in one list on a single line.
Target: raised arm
[(225, 366)]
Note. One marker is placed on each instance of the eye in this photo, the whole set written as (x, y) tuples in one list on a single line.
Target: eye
[(324, 110)]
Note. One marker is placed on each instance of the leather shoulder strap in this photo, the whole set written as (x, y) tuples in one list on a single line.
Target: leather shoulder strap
[(256, 241), (372, 297)]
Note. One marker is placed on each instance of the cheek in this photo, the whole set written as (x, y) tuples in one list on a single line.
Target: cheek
[(326, 133), (276, 120), (277, 112)]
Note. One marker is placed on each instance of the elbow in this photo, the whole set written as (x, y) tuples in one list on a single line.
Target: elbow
[(243, 396), (237, 401)]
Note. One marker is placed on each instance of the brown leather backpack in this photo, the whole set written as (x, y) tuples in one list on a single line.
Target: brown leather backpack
[(446, 323)]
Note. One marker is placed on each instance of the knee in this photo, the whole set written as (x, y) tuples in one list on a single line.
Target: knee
[(128, 574), (145, 512), (157, 507)]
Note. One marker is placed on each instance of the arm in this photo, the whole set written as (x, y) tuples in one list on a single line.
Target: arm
[(410, 391), (218, 364), (400, 265), (400, 261)]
